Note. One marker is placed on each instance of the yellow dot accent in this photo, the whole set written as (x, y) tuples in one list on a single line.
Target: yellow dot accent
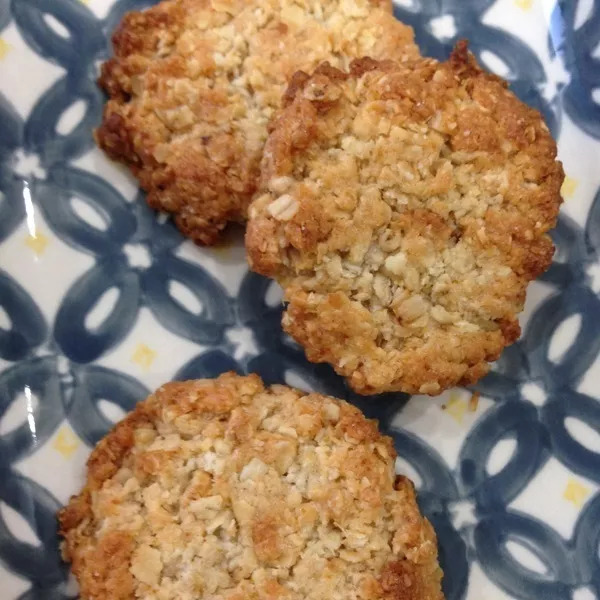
[(568, 187), (221, 251), (524, 4), (65, 442), (576, 493), (456, 407), (5, 48), (143, 356), (37, 242)]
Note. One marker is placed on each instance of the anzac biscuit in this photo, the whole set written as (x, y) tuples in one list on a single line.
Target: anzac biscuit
[(193, 84), (224, 489), (404, 210)]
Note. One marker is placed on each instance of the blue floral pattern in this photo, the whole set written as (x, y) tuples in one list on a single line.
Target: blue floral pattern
[(58, 358)]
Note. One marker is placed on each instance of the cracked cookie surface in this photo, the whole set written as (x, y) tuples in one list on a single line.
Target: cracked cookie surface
[(228, 490), (193, 84), (404, 210)]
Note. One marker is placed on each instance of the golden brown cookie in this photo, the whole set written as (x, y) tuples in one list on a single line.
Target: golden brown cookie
[(193, 84), (405, 208), (224, 489)]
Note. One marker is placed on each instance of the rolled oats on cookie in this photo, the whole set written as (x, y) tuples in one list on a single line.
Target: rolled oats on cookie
[(228, 490), (193, 84), (404, 208)]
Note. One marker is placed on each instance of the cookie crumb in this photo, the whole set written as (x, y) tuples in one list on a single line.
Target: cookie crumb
[(474, 401)]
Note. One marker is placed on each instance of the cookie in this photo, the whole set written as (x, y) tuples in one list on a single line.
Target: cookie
[(193, 84), (404, 210), (228, 490)]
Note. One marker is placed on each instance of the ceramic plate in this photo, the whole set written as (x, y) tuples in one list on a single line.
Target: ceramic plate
[(101, 300)]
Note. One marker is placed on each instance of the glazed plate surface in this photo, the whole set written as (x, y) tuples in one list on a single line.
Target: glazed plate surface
[(101, 301)]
